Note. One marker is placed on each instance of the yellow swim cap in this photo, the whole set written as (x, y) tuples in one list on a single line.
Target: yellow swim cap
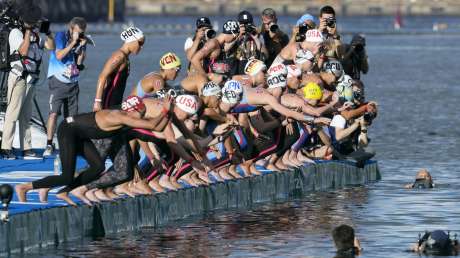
[(312, 91), (169, 60)]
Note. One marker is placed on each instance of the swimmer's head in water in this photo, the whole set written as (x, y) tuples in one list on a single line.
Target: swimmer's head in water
[(437, 242), (423, 179)]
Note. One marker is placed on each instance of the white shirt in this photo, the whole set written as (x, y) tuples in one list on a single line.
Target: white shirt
[(338, 121), (188, 43)]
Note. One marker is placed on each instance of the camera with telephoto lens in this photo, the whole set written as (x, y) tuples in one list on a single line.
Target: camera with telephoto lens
[(369, 117), (250, 28), (210, 33), (44, 26), (359, 42), (330, 22), (303, 28), (274, 27)]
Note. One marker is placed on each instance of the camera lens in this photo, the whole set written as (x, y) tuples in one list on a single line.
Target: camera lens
[(274, 28), (210, 33)]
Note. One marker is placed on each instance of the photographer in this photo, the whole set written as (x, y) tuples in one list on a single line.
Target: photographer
[(274, 39), (26, 51), (355, 59), (328, 26), (64, 68), (248, 45), (203, 33)]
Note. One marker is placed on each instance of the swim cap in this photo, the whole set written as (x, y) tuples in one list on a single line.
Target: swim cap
[(437, 240), (293, 71), (231, 27), (231, 92), (314, 36), (312, 91), (219, 67), (254, 66), (131, 34), (335, 67), (345, 88), (188, 103), (303, 56), (276, 81), (133, 103), (169, 61), (278, 69), (210, 89)]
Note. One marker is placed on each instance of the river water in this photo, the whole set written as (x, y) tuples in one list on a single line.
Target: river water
[(415, 80)]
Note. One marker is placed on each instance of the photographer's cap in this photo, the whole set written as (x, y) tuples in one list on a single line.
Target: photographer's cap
[(314, 36), (203, 22), (304, 18), (231, 27), (131, 34), (245, 17)]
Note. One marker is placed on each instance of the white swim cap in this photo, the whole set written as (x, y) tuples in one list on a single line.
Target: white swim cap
[(276, 81), (210, 89), (277, 69), (131, 34), (303, 56), (231, 92), (254, 66), (293, 71), (188, 103), (314, 36), (345, 88), (335, 67)]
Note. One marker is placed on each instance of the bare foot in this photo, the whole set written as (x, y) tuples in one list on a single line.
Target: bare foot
[(123, 189), (164, 182), (188, 179), (143, 187), (303, 158), (232, 171), (272, 167), (43, 194), (91, 195), (100, 194), (155, 185), (196, 179), (224, 174), (175, 183), (79, 192), (21, 191), (254, 170), (279, 164), (204, 177), (65, 197), (216, 176), (109, 192), (246, 169)]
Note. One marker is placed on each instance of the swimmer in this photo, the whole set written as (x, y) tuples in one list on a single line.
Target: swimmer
[(436, 242), (345, 241), (423, 180)]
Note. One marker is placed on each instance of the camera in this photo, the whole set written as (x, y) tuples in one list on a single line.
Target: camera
[(274, 27), (44, 26), (369, 117), (359, 42), (250, 28), (330, 22), (303, 28), (210, 33)]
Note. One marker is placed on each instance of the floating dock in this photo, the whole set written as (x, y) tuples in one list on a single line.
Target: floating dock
[(35, 225)]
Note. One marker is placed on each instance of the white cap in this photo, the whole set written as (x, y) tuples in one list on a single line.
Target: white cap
[(210, 89), (253, 66), (303, 56), (131, 34), (231, 92), (276, 81), (278, 69), (188, 103), (335, 67), (314, 36), (293, 71)]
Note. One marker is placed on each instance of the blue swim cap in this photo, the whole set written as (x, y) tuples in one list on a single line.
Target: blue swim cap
[(306, 17)]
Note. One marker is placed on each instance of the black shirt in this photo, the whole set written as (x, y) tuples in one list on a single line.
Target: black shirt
[(274, 45)]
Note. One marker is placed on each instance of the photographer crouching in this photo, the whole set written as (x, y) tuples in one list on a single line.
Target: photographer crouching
[(274, 39), (355, 60), (26, 51)]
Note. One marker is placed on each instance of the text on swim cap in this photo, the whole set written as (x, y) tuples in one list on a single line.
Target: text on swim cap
[(129, 33), (188, 102), (233, 85), (274, 80), (168, 60), (130, 102)]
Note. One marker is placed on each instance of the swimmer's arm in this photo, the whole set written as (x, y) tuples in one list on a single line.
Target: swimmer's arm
[(121, 117), (273, 102), (349, 114), (212, 114), (175, 146), (192, 50), (201, 54), (112, 65), (189, 135), (146, 148), (324, 137)]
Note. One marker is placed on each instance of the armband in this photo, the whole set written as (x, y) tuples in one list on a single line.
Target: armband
[(98, 100)]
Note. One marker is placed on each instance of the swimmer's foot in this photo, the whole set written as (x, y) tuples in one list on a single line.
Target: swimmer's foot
[(254, 170), (155, 185), (90, 195), (232, 171), (65, 197), (100, 194)]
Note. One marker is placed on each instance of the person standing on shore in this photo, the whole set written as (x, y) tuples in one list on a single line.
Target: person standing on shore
[(112, 80), (65, 64)]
